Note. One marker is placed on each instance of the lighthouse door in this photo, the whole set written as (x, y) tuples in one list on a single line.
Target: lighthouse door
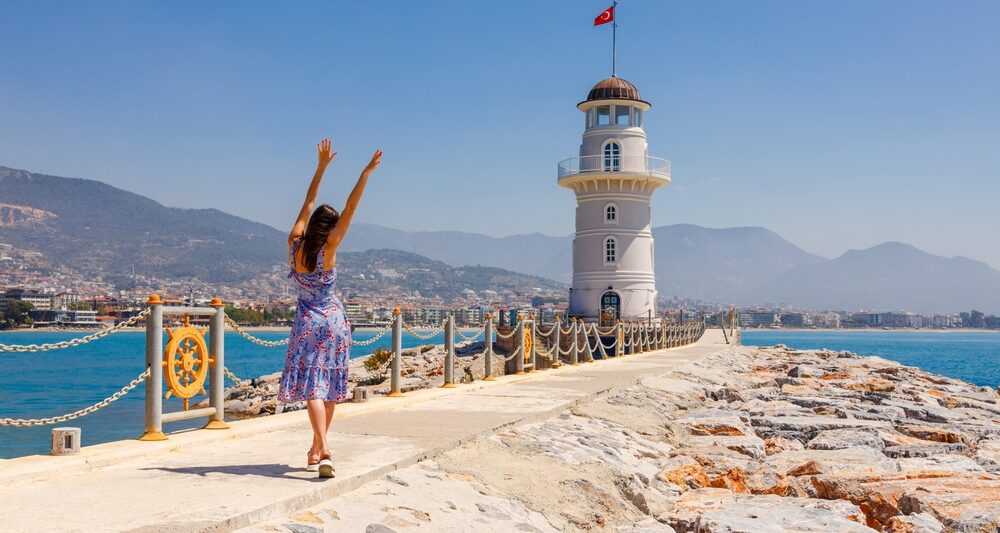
[(611, 308)]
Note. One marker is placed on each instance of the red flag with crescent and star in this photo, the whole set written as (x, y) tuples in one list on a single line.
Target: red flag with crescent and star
[(607, 16)]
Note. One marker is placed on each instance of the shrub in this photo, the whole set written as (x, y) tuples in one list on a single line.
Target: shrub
[(377, 364)]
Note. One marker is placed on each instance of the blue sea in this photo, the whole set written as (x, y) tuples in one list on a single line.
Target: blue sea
[(52, 383), (972, 356)]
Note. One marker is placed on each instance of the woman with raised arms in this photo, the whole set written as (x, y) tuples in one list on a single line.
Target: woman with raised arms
[(319, 347)]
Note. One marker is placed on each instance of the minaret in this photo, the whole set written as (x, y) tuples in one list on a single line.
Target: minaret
[(614, 179)]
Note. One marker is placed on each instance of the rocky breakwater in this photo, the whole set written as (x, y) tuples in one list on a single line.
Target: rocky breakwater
[(422, 367), (760, 439)]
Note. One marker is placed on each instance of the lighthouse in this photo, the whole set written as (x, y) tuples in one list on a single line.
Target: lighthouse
[(613, 178)]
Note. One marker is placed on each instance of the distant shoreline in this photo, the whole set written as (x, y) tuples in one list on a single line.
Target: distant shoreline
[(872, 330)]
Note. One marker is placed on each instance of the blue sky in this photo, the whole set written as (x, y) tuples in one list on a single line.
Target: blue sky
[(836, 124)]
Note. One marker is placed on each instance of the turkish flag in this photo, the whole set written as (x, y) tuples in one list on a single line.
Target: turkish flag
[(606, 17)]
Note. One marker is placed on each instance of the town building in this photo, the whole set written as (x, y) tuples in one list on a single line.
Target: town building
[(36, 297)]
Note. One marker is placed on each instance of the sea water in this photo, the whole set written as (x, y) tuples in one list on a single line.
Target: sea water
[(44, 384), (972, 356)]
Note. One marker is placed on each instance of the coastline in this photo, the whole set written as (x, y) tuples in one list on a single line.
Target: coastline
[(872, 330)]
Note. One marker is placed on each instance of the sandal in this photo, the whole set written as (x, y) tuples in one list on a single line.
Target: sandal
[(326, 469), (312, 462)]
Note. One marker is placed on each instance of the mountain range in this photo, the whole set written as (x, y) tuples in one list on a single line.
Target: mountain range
[(94, 226)]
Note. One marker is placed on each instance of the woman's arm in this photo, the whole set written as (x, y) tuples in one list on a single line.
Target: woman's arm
[(325, 156), (337, 235)]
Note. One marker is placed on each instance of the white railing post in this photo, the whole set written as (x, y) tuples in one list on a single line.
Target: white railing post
[(397, 352), (574, 353), (154, 362), (217, 384), (449, 351), (488, 352)]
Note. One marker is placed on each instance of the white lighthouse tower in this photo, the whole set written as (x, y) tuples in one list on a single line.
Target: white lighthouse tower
[(613, 178)]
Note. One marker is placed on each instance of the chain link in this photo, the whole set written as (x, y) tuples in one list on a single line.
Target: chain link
[(513, 331), (73, 342), (547, 333), (473, 337), (233, 377), (236, 327), (369, 342), (21, 422), (433, 331), (509, 357)]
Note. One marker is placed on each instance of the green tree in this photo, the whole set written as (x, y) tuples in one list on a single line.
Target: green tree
[(16, 314), (80, 305), (240, 314)]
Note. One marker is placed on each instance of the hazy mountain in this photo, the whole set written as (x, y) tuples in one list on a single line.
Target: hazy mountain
[(536, 254), (718, 264), (691, 261), (888, 276), (389, 271), (94, 227)]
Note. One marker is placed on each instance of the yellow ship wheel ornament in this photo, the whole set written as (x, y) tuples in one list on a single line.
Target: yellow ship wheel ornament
[(186, 361), (529, 343)]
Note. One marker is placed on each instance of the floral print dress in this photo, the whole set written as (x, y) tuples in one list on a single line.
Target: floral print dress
[(319, 347)]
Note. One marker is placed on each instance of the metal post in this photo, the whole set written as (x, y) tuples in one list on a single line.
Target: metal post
[(449, 351), (216, 383), (154, 362), (620, 346), (397, 352), (488, 357), (534, 344), (557, 361), (574, 353), (519, 360)]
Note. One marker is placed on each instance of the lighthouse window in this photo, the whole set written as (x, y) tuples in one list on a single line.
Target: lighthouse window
[(612, 157), (611, 214), (603, 115), (621, 115), (610, 250), (636, 117)]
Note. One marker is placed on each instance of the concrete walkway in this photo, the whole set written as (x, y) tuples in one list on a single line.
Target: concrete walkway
[(222, 480)]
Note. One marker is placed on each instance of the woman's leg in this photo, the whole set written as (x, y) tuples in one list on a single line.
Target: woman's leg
[(328, 408), (319, 421)]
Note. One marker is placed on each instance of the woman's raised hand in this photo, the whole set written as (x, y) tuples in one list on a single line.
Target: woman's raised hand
[(325, 155), (374, 163)]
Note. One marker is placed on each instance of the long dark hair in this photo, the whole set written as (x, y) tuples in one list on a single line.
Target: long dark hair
[(321, 223)]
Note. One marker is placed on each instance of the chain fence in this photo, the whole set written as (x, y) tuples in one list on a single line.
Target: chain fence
[(22, 422), (433, 331), (74, 342)]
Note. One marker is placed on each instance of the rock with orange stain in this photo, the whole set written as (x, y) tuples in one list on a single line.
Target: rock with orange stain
[(775, 445), (732, 480), (684, 472), (933, 433)]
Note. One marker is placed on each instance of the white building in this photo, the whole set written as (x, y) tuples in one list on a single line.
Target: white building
[(613, 179)]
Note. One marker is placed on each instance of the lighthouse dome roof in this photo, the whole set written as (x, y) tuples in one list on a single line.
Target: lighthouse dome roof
[(613, 88)]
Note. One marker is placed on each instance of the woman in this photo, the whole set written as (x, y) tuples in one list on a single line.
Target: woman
[(320, 343)]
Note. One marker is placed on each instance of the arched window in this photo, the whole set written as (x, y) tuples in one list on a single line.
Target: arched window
[(610, 250), (612, 157), (611, 214)]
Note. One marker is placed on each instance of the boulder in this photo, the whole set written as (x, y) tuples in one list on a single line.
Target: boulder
[(838, 439), (767, 514), (774, 445)]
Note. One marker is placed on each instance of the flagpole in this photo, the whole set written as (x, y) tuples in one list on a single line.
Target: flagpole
[(614, 39)]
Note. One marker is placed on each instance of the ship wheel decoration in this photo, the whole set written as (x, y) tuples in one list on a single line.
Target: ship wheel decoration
[(186, 361), (529, 342)]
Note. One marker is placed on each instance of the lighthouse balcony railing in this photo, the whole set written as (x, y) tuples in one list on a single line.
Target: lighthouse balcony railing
[(599, 164)]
